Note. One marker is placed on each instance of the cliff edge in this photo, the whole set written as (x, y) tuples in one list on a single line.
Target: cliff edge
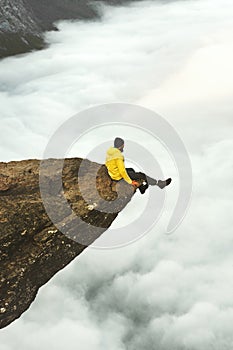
[(32, 247)]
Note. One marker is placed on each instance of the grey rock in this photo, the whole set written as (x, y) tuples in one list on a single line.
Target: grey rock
[(22, 22)]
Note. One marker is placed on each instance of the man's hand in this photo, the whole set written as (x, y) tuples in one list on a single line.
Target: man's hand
[(135, 183)]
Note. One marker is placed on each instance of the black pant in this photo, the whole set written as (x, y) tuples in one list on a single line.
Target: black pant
[(138, 176)]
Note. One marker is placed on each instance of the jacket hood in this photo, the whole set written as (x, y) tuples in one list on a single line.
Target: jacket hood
[(114, 153)]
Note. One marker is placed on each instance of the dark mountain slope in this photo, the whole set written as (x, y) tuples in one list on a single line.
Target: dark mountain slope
[(22, 22)]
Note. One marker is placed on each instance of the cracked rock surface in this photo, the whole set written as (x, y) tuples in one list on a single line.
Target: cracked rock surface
[(32, 246)]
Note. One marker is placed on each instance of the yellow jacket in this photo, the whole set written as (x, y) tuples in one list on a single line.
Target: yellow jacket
[(115, 164)]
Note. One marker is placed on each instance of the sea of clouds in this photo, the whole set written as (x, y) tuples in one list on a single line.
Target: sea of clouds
[(162, 292)]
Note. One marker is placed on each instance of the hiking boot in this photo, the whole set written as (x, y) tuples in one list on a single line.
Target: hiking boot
[(143, 187), (164, 183)]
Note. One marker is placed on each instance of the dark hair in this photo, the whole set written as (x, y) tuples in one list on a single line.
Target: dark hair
[(118, 142)]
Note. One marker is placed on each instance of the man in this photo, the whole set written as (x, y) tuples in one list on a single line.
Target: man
[(117, 171)]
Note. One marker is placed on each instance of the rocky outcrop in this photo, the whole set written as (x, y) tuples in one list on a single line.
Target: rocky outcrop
[(32, 246), (22, 22)]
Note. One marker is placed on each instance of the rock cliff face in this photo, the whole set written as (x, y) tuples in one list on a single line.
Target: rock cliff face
[(22, 22), (32, 248)]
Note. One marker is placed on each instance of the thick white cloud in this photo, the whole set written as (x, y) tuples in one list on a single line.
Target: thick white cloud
[(164, 291)]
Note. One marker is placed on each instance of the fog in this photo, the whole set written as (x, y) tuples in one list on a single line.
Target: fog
[(163, 291)]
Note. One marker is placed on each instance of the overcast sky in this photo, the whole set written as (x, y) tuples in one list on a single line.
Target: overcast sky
[(162, 292)]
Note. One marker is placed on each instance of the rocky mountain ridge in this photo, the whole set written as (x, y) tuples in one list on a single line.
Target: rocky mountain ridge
[(22, 22)]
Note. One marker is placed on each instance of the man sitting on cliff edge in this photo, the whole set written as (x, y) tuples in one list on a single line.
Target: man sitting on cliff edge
[(117, 171)]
